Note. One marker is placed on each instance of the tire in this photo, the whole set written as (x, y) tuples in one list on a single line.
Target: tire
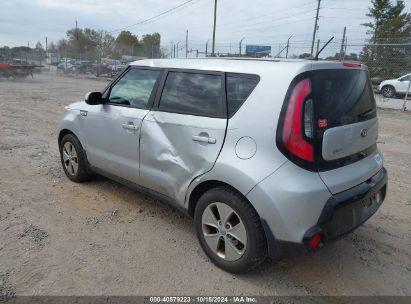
[(388, 91), (72, 154), (248, 252)]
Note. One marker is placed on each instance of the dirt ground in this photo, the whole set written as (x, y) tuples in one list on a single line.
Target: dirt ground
[(101, 238)]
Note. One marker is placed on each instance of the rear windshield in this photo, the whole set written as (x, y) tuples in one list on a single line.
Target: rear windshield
[(342, 96)]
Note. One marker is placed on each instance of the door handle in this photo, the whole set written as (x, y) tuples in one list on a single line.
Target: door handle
[(204, 139), (130, 127)]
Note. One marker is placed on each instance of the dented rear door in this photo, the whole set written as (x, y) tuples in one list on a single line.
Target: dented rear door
[(182, 136)]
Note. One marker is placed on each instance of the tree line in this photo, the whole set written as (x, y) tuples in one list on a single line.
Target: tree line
[(90, 44)]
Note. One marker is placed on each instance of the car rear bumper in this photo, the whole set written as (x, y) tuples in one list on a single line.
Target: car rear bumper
[(293, 208), (347, 210)]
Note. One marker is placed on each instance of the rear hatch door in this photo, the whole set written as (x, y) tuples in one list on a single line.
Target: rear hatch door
[(347, 127)]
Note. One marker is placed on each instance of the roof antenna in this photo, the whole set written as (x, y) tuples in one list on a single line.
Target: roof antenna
[(325, 45)]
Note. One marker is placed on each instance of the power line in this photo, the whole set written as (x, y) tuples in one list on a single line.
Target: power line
[(156, 16), (250, 22)]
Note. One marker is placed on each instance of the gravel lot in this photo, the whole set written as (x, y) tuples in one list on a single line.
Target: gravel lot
[(100, 238)]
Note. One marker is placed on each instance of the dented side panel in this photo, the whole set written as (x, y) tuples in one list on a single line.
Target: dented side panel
[(174, 150)]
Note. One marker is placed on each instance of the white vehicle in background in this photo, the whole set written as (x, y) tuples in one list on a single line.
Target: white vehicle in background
[(392, 87)]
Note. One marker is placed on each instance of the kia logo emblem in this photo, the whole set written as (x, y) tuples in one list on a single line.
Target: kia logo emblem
[(364, 132)]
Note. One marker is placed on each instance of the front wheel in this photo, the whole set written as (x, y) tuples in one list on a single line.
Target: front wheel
[(229, 230), (73, 159), (388, 92)]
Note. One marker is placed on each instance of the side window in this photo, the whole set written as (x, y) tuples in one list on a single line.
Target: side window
[(239, 87), (191, 93), (405, 78), (134, 88)]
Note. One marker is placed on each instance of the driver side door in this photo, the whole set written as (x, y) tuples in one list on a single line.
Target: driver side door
[(112, 129)]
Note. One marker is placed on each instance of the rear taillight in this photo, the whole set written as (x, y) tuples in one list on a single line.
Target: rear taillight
[(298, 122)]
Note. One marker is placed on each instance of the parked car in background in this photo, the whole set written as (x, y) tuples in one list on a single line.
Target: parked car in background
[(262, 154), (84, 66), (395, 87), (108, 67), (66, 67)]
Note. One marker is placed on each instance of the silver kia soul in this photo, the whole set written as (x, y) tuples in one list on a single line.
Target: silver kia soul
[(261, 153)]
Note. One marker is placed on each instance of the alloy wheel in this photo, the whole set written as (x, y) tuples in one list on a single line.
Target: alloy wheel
[(388, 92), (70, 158), (224, 231)]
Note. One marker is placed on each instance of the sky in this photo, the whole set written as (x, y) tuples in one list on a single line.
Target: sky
[(259, 22)]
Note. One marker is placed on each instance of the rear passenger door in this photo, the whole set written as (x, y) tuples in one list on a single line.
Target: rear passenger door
[(182, 136)]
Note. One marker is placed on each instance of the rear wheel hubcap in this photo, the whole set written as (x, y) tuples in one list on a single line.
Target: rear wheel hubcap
[(224, 231)]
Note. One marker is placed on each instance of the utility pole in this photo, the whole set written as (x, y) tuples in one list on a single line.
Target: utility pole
[(215, 21), (288, 45), (77, 39), (241, 41), (171, 50), (404, 106), (174, 51), (186, 43), (206, 52), (342, 43), (345, 47), (47, 54), (315, 27)]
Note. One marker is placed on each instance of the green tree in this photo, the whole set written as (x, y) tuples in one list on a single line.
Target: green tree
[(304, 56), (351, 56), (39, 51), (389, 25), (151, 45), (126, 43)]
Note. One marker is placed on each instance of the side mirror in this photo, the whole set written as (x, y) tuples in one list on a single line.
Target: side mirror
[(94, 98)]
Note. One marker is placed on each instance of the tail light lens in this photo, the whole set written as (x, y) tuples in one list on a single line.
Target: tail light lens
[(298, 122)]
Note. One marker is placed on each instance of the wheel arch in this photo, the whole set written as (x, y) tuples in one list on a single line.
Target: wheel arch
[(70, 127), (63, 133), (202, 188)]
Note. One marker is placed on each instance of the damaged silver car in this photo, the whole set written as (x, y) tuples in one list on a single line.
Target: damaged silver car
[(263, 154)]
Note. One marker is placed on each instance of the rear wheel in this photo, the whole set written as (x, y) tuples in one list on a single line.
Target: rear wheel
[(73, 159), (388, 92), (229, 230)]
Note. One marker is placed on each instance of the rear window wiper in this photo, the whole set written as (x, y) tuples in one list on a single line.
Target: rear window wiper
[(366, 113)]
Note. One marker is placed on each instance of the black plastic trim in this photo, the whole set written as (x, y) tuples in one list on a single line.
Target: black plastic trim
[(358, 193), (274, 250)]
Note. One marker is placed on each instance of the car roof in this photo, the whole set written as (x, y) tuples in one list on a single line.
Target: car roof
[(239, 65)]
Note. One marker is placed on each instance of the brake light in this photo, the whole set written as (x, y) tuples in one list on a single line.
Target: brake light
[(349, 64), (298, 110)]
